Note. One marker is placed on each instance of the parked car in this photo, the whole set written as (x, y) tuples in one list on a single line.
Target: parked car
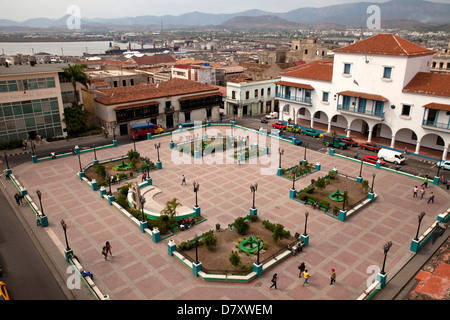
[(279, 125), (369, 146), (373, 159), (311, 133), (444, 164), (3, 292), (295, 141), (349, 141), (293, 128), (264, 120)]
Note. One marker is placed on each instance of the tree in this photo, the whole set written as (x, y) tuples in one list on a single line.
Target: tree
[(210, 240), (234, 258), (278, 233), (100, 170), (75, 118), (171, 208), (241, 225), (74, 73)]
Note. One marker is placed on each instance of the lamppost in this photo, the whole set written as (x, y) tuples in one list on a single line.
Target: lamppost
[(196, 188), (280, 151), (253, 189), (6, 160), (79, 162), (39, 194), (420, 217), (108, 176), (373, 181), (134, 144), (306, 222), (64, 226), (95, 154), (142, 200), (196, 251), (113, 128), (386, 248), (306, 145), (157, 146), (345, 198), (32, 148), (259, 247), (360, 169), (293, 178)]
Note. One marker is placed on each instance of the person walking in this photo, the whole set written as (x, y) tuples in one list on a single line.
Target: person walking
[(105, 253), (306, 275), (274, 281), (183, 180), (415, 190), (431, 198), (17, 197), (108, 248), (422, 192), (301, 268), (425, 182), (332, 276)]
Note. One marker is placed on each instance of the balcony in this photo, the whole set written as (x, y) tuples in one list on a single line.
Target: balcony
[(303, 100), (370, 113), (434, 125)]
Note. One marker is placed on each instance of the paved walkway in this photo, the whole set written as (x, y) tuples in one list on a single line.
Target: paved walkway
[(141, 269)]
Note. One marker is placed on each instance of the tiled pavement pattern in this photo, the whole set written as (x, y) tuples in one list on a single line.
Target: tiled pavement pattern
[(142, 269)]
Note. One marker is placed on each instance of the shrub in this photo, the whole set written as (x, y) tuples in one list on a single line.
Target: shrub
[(234, 258), (331, 174), (277, 232), (100, 170), (241, 226), (210, 240), (365, 185), (253, 218), (132, 155), (321, 183)]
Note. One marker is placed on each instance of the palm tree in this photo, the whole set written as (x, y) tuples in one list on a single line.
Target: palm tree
[(75, 73), (171, 208)]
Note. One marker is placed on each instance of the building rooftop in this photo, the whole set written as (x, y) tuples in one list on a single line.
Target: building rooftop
[(386, 44), (430, 83), (143, 91), (316, 70), (37, 68)]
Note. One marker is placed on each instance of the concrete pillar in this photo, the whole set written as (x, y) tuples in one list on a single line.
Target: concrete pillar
[(393, 141), (369, 138), (329, 126), (312, 121), (444, 154), (417, 147), (348, 131)]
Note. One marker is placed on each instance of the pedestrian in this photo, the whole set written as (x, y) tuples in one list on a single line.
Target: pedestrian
[(143, 177), (183, 180), (105, 253), (274, 281), (431, 198), (406, 150), (306, 275), (301, 268), (332, 276), (422, 192), (17, 197), (108, 248), (425, 182), (415, 190)]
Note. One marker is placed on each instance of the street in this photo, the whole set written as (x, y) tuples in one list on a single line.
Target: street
[(25, 273)]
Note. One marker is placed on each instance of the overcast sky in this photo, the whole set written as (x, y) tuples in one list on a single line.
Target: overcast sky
[(19, 10)]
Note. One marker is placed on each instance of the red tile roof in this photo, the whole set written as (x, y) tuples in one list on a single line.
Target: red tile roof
[(316, 70), (386, 44), (155, 59), (437, 106), (437, 84), (295, 85), (143, 91), (363, 95)]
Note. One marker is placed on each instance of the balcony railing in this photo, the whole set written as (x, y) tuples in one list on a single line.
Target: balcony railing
[(437, 125), (365, 112), (306, 100)]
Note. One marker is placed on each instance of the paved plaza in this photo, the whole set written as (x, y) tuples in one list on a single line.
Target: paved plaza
[(142, 269)]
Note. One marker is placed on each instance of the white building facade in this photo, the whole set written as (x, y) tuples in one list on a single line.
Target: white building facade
[(381, 87)]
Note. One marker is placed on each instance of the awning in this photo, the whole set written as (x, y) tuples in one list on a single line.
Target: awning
[(201, 96), (295, 85), (437, 106), (150, 103), (363, 95)]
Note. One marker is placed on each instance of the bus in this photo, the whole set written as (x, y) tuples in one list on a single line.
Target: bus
[(139, 131)]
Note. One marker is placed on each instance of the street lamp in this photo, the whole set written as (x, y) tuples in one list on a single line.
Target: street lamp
[(95, 154), (79, 162), (360, 170), (157, 146), (109, 183), (253, 189), (39, 194), (420, 217), (196, 251), (280, 151), (373, 181), (113, 128), (306, 222), (6, 160), (259, 247), (142, 200), (345, 198), (32, 148), (196, 188), (293, 178), (134, 144), (64, 226), (386, 248), (306, 145)]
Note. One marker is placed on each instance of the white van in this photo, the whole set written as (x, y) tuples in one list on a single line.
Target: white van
[(391, 156), (272, 115)]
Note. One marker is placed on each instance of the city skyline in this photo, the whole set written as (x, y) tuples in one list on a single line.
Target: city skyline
[(17, 11)]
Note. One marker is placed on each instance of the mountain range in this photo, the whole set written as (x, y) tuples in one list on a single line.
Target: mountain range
[(352, 14)]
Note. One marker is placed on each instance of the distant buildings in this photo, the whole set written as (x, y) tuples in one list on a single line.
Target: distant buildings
[(441, 60)]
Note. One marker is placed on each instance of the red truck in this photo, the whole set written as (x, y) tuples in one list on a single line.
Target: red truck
[(138, 131)]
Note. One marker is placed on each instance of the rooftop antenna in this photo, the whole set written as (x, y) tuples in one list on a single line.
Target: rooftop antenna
[(364, 44)]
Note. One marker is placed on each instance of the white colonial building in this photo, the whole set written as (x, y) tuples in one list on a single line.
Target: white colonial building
[(381, 87)]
